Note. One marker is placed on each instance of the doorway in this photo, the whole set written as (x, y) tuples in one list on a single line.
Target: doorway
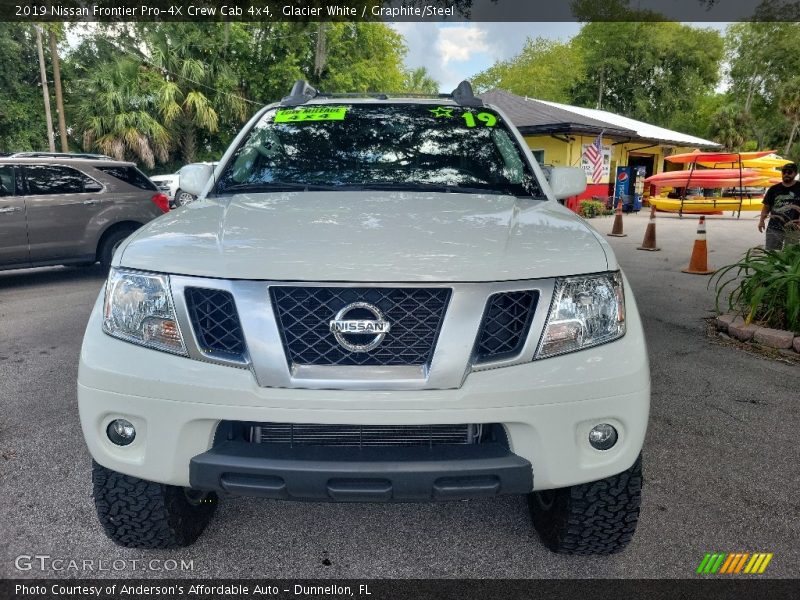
[(642, 160)]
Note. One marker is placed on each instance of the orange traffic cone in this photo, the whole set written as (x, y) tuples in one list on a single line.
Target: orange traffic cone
[(698, 264), (616, 229), (649, 241)]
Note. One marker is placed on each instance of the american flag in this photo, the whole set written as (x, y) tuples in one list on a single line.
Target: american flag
[(594, 155)]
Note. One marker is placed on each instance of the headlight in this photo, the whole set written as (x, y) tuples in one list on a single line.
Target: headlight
[(586, 311), (138, 309)]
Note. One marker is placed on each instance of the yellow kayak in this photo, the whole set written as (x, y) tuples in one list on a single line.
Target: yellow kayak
[(771, 163), (706, 205)]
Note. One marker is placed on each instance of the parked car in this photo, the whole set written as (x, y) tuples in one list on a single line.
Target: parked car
[(70, 155), (168, 184), (65, 210), (374, 299)]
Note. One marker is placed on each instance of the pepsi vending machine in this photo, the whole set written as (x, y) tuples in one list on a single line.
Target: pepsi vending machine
[(622, 187), (629, 186)]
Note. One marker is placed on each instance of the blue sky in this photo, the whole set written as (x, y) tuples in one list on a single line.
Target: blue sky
[(455, 51)]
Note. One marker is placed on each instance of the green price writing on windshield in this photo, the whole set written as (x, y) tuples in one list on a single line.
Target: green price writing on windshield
[(488, 119), (316, 113)]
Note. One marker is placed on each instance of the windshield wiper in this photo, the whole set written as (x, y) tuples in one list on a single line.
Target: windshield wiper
[(428, 187), (276, 186), (404, 186), (399, 186)]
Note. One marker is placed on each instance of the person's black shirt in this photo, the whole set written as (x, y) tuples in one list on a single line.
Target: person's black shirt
[(784, 204)]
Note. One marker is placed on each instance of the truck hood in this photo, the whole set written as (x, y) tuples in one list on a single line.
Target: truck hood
[(368, 236)]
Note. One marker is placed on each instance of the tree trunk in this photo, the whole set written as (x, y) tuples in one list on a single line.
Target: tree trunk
[(188, 143), (795, 125), (321, 51), (750, 91), (62, 125), (600, 92), (45, 91)]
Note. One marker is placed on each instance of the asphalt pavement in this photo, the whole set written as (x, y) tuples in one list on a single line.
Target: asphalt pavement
[(720, 459)]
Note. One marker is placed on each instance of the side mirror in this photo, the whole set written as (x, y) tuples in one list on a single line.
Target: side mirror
[(567, 181), (194, 178)]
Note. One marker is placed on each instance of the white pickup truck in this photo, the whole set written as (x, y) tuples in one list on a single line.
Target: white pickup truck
[(374, 299)]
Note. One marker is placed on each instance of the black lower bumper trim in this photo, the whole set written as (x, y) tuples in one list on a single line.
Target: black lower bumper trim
[(361, 475)]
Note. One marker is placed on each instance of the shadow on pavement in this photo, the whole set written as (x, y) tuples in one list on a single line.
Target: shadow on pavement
[(50, 275)]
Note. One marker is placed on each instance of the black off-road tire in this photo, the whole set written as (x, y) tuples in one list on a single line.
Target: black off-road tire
[(110, 243), (592, 518), (142, 514)]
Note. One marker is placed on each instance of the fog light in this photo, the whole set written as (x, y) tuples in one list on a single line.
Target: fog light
[(121, 432), (603, 436)]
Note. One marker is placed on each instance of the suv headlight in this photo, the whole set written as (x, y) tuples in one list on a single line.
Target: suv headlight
[(586, 311), (138, 309)]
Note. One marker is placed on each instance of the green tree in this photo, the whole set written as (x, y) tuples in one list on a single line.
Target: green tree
[(270, 58), (762, 58), (729, 127), (196, 87), (350, 57), (652, 71), (699, 119), (119, 115), (545, 69), (789, 104), (199, 82), (22, 122), (418, 81), (362, 57)]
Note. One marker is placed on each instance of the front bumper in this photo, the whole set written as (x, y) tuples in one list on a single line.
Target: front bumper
[(361, 475), (546, 407)]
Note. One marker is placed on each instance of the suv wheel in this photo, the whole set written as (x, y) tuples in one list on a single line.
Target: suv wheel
[(142, 514), (592, 518), (110, 244), (183, 198)]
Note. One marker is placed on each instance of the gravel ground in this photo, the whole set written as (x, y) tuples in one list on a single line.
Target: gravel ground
[(721, 465)]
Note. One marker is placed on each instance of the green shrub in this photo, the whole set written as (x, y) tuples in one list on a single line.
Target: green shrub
[(764, 286), (591, 208)]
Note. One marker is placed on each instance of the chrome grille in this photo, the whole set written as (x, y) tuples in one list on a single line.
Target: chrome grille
[(505, 325), (215, 321), (304, 315), (363, 436)]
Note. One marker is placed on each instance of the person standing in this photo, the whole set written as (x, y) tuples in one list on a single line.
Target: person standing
[(782, 205)]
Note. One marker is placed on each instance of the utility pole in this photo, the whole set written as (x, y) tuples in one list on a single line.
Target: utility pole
[(62, 124), (45, 91)]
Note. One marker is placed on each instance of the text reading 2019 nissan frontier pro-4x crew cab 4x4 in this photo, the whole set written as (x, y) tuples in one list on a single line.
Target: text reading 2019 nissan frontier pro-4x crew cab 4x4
[(373, 299)]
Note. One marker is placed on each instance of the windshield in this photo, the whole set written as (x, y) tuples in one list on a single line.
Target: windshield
[(380, 146)]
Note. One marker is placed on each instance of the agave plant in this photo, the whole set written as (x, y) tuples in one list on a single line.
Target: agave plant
[(764, 286)]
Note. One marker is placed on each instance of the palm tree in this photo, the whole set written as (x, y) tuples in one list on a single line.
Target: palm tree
[(116, 113), (195, 88), (729, 127), (419, 81)]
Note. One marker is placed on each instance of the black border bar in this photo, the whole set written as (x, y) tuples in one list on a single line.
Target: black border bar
[(266, 11), (706, 588)]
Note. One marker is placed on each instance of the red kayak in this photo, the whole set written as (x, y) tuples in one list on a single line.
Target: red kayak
[(713, 178)]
